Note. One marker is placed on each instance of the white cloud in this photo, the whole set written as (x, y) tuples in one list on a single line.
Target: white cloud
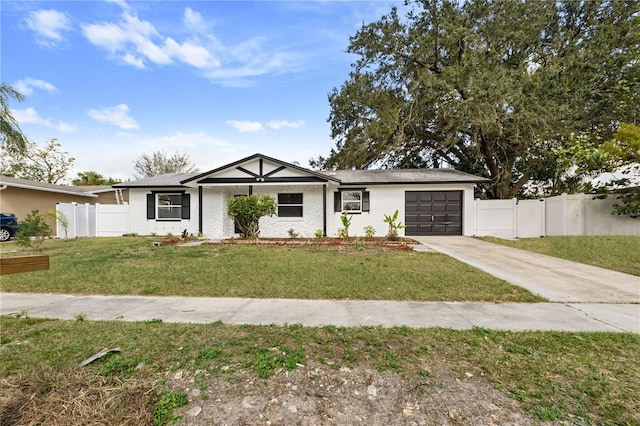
[(250, 59), (31, 116), (194, 21), (246, 126), (48, 26), (132, 60), (26, 86), (189, 53), (137, 42), (130, 39), (117, 116), (122, 3), (280, 124)]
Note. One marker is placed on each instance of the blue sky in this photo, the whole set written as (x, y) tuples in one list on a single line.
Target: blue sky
[(217, 80)]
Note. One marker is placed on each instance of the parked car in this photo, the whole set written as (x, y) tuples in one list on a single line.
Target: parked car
[(8, 226)]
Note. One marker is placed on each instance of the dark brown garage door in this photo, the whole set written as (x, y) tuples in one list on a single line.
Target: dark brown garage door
[(433, 213)]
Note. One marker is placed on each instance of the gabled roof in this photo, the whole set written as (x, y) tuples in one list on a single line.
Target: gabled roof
[(261, 157), (413, 176), (341, 177), (82, 191)]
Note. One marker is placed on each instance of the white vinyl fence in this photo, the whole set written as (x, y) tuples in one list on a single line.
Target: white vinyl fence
[(580, 214), (577, 214), (93, 220)]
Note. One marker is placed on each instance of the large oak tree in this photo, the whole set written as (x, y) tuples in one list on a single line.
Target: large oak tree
[(488, 87)]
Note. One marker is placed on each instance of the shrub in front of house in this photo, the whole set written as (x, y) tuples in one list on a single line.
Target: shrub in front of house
[(247, 210)]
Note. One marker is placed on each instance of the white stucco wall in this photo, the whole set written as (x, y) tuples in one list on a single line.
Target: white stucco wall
[(306, 225), (143, 226), (385, 199), (215, 222)]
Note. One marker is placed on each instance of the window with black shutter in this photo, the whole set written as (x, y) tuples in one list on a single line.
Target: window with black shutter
[(151, 206), (351, 201), (186, 206), (168, 206)]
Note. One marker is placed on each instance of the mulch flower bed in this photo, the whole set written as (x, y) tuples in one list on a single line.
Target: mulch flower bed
[(351, 241)]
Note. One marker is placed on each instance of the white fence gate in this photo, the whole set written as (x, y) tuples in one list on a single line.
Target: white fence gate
[(510, 218), (496, 218), (530, 218), (112, 220)]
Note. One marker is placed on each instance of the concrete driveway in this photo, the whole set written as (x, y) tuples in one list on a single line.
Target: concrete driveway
[(556, 279)]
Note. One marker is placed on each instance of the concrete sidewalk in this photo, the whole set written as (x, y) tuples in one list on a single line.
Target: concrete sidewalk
[(556, 279), (455, 315)]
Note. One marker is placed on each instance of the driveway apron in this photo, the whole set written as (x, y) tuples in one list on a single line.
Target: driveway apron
[(556, 279)]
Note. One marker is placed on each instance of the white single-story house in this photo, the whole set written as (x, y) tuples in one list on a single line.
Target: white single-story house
[(430, 201)]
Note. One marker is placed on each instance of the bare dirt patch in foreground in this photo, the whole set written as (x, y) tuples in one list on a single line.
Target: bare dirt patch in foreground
[(315, 394), (320, 394)]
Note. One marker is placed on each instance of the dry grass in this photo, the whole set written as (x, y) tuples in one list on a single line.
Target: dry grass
[(76, 397)]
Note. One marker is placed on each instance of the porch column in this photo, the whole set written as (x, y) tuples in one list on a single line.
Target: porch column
[(324, 210), (200, 210)]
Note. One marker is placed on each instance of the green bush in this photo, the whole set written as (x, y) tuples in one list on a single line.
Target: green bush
[(246, 211), (33, 231), (369, 231)]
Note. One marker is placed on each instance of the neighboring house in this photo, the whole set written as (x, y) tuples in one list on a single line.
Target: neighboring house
[(430, 201), (20, 196)]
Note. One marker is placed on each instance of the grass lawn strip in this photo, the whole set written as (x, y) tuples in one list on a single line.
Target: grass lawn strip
[(615, 252), (589, 378), (132, 266)]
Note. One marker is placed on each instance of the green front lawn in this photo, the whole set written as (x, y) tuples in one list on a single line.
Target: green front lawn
[(132, 266), (582, 378), (619, 253)]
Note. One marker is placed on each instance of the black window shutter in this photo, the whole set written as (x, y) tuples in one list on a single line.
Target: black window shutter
[(365, 201), (151, 206), (337, 202), (186, 206)]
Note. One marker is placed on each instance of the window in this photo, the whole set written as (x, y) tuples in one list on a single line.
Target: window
[(168, 206), (290, 205), (352, 201)]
